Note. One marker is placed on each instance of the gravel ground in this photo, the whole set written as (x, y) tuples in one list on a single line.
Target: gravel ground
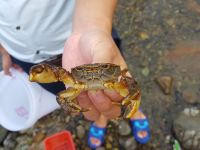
[(161, 48)]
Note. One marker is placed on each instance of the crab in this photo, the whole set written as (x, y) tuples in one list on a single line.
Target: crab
[(87, 77)]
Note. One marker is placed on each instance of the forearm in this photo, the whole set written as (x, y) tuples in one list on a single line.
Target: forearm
[(93, 14)]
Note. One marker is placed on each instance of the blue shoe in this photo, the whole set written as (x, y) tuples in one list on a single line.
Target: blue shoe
[(139, 125), (98, 133)]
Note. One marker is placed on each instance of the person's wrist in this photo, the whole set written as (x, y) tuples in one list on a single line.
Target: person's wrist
[(92, 25)]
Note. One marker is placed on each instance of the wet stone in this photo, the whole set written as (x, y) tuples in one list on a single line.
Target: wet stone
[(24, 140), (190, 96), (167, 139), (188, 132), (191, 111), (39, 137), (143, 35), (145, 71), (109, 138), (80, 131), (165, 83), (9, 142), (124, 128), (67, 119), (128, 143), (37, 146), (109, 146)]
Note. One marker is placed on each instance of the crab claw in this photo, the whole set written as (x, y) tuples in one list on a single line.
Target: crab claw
[(42, 73)]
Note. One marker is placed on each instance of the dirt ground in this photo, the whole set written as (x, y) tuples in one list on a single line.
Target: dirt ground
[(161, 38)]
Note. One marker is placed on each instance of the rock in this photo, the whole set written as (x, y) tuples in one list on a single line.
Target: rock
[(145, 71), (128, 143), (2, 148), (24, 140), (124, 128), (3, 133), (67, 119), (37, 146), (165, 83), (109, 138), (10, 142), (191, 111), (194, 112), (171, 22), (143, 35), (186, 111), (190, 96), (23, 147), (187, 130), (167, 139), (39, 137), (80, 131), (108, 145), (100, 148)]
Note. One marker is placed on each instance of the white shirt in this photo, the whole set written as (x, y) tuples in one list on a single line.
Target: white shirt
[(34, 30)]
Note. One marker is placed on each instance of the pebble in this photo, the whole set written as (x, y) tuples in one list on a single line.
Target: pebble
[(167, 139), (24, 140), (186, 111), (80, 131), (67, 119), (3, 133), (108, 146), (124, 128), (39, 137), (190, 96), (128, 143), (100, 148), (110, 138), (144, 35), (191, 111), (37, 146), (145, 71), (165, 83), (186, 129), (9, 142), (22, 147), (194, 112)]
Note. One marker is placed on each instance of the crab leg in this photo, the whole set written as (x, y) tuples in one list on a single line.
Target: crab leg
[(120, 88), (67, 100), (128, 88)]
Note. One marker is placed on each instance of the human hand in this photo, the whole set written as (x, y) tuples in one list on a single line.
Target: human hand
[(7, 62), (94, 47)]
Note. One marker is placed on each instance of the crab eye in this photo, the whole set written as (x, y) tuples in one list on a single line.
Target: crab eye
[(79, 69), (38, 69)]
